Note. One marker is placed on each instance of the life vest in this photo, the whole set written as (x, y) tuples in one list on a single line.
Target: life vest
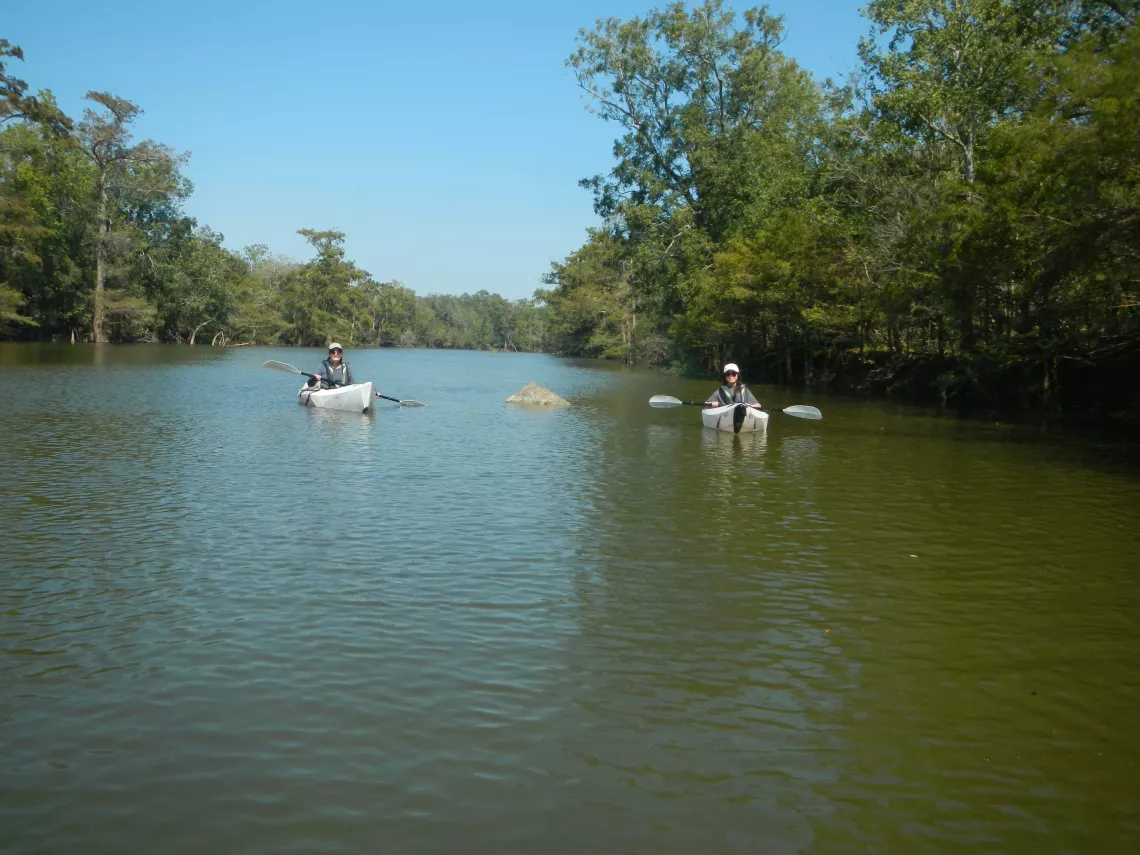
[(335, 375), (728, 395)]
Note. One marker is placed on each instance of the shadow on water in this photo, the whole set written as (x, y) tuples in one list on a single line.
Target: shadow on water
[(46, 355)]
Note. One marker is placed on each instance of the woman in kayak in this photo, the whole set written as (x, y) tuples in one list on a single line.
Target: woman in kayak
[(733, 391), (334, 370)]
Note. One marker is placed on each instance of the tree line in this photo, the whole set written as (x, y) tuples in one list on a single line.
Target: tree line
[(961, 219), (95, 246)]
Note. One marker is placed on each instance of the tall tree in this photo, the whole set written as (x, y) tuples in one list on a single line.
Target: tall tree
[(951, 69), (17, 105), (702, 98), (199, 289), (322, 300), (150, 169), (45, 225)]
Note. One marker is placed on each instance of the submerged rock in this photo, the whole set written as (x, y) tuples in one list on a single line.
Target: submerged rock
[(532, 393)]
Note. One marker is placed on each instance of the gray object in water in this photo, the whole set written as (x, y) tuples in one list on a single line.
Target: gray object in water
[(532, 393)]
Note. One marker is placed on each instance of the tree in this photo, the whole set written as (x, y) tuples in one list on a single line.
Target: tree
[(393, 308), (259, 314), (45, 219), (321, 299), (953, 68), (11, 301), (706, 107), (148, 169), (17, 105), (200, 292), (721, 138)]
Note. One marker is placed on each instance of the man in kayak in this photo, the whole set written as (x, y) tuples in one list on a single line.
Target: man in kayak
[(334, 370), (733, 391)]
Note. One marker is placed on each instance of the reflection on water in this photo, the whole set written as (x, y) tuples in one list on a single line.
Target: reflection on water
[(726, 448), (478, 627), (699, 692), (339, 426)]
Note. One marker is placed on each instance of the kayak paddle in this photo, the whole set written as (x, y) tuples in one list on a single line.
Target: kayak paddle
[(800, 411), (286, 367), (289, 369), (403, 403)]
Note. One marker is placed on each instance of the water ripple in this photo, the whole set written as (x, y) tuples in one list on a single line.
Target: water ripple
[(230, 623)]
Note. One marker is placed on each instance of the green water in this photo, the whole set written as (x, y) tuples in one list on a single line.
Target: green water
[(231, 624)]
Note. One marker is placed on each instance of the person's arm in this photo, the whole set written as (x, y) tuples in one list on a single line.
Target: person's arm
[(348, 381), (749, 398)]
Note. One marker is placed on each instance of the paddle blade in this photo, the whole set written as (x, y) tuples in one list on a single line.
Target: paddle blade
[(281, 366), (801, 411), (401, 403), (665, 401)]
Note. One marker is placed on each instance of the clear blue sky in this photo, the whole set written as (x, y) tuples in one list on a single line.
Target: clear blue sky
[(446, 139)]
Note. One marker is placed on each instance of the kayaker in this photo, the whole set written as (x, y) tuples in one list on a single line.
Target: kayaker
[(733, 391), (334, 370)]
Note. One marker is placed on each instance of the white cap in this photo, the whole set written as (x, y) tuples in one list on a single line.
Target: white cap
[(732, 366), (336, 345)]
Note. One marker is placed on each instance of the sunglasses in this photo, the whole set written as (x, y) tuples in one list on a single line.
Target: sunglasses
[(338, 352), (732, 374)]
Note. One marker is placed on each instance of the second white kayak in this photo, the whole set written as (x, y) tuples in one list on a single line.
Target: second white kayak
[(735, 418), (358, 397)]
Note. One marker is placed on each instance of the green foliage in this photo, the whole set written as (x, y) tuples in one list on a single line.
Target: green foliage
[(11, 301), (955, 68), (46, 212), (94, 244), (710, 111), (970, 199), (133, 183), (17, 105)]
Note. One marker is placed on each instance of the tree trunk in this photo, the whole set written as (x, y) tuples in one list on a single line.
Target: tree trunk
[(807, 357), (633, 335), (98, 320), (966, 317), (194, 334)]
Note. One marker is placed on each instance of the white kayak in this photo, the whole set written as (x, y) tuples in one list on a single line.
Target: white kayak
[(359, 397), (735, 418)]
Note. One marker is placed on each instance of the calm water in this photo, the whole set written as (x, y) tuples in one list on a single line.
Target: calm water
[(232, 625)]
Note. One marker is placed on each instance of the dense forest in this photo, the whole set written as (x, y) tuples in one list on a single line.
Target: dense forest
[(960, 220), (95, 246)]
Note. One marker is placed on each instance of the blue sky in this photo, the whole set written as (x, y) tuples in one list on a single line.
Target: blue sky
[(446, 139)]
